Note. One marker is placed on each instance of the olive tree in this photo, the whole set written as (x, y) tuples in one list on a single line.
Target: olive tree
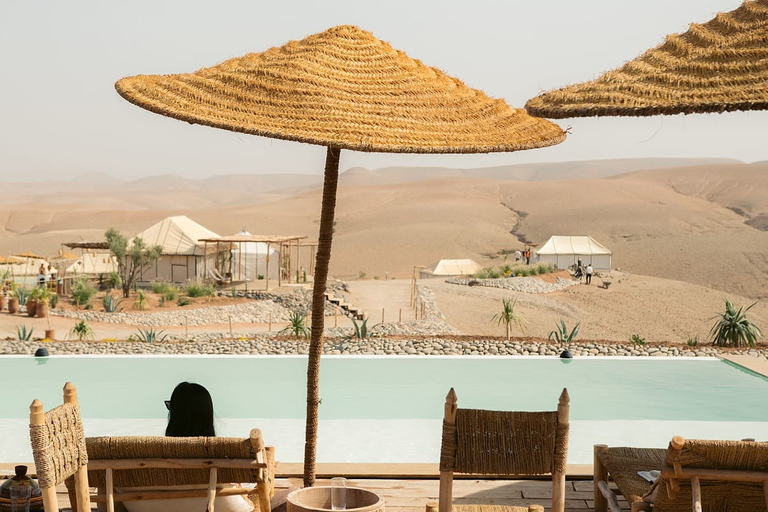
[(132, 259)]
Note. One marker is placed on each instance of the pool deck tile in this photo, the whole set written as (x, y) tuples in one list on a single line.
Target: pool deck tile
[(755, 364)]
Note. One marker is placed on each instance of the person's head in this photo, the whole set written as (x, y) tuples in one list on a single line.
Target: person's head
[(190, 411)]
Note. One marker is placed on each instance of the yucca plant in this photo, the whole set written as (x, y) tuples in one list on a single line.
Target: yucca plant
[(297, 325), (561, 334), (22, 294), (111, 303), (361, 330), (733, 328), (150, 335), (509, 316), (22, 334), (82, 331)]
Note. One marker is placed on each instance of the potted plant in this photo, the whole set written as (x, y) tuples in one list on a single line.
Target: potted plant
[(32, 302), (13, 300), (41, 308)]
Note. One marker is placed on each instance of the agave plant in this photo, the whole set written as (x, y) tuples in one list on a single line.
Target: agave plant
[(111, 303), (297, 325), (561, 334), (361, 330), (509, 316), (733, 328), (22, 334), (150, 335)]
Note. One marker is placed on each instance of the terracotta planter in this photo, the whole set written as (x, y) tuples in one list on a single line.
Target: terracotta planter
[(13, 305), (31, 307), (50, 334), (2, 302), (41, 309)]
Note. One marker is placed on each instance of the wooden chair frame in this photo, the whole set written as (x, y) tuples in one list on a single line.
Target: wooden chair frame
[(446, 477)]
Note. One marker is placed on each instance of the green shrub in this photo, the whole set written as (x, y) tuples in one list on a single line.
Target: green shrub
[(493, 273), (199, 289), (561, 334), (171, 292), (733, 328), (183, 301), (483, 274), (83, 291), (54, 301), (114, 280), (141, 301), (636, 339), (693, 341), (158, 287)]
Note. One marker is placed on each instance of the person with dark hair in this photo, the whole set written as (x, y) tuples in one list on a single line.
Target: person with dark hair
[(190, 412)]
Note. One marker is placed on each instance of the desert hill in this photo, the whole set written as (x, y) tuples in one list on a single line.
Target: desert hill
[(675, 223)]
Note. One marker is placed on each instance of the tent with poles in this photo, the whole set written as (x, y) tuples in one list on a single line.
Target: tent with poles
[(342, 89), (183, 255), (564, 251), (254, 259)]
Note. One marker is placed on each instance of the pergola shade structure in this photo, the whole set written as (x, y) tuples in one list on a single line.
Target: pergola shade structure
[(343, 89), (718, 66)]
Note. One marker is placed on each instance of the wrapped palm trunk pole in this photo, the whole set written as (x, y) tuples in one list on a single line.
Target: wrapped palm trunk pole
[(318, 310)]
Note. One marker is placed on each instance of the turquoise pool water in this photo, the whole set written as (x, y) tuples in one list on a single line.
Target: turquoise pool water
[(371, 404)]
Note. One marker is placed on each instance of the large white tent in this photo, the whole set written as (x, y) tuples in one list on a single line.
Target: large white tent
[(447, 268), (93, 263), (565, 251), (251, 259), (183, 256)]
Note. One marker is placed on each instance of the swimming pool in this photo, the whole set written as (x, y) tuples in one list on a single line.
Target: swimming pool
[(389, 409)]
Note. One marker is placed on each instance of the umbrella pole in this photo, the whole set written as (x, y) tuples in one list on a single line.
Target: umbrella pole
[(330, 183)]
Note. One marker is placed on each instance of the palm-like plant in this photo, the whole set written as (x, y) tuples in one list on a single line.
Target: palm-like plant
[(297, 325), (509, 316), (82, 331), (561, 334), (733, 328), (141, 300)]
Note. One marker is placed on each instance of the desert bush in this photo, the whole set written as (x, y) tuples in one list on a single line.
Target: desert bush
[(636, 339), (183, 301), (733, 328), (141, 300), (171, 292), (198, 289), (158, 287), (693, 341), (54, 300), (83, 291), (561, 334)]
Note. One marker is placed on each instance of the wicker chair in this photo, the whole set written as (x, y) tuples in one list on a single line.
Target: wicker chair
[(58, 447), (126, 462), (502, 443), (708, 476)]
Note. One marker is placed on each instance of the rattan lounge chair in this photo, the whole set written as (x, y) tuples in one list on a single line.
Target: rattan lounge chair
[(505, 443), (165, 462), (696, 475), (58, 447)]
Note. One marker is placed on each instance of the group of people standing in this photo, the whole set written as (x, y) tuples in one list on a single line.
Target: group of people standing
[(525, 255), (587, 272)]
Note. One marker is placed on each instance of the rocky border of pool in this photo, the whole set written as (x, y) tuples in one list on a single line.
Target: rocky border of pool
[(445, 345)]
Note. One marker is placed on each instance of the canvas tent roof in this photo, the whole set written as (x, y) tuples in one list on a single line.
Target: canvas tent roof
[(93, 263), (178, 235), (585, 245), (453, 268)]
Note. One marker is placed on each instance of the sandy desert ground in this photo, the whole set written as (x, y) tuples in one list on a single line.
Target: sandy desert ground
[(685, 234)]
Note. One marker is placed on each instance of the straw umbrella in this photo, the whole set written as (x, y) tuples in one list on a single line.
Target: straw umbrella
[(343, 89), (720, 66)]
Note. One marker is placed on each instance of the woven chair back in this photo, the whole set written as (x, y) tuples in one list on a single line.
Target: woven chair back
[(58, 445), (133, 447), (504, 443)]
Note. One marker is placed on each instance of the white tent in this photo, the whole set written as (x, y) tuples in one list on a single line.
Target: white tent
[(447, 268), (93, 263), (252, 258), (565, 251), (183, 256)]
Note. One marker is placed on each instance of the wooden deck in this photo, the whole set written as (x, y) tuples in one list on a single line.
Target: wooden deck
[(404, 495)]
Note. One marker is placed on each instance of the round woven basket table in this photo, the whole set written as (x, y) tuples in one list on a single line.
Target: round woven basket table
[(318, 499)]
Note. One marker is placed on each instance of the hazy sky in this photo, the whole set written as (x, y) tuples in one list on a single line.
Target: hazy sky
[(61, 117)]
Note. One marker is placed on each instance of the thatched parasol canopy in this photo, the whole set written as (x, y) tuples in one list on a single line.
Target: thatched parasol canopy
[(346, 89), (343, 89), (10, 261), (719, 66), (29, 255)]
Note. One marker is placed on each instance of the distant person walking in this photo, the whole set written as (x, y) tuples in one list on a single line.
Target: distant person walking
[(518, 255), (589, 273), (578, 263), (41, 275), (528, 256)]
